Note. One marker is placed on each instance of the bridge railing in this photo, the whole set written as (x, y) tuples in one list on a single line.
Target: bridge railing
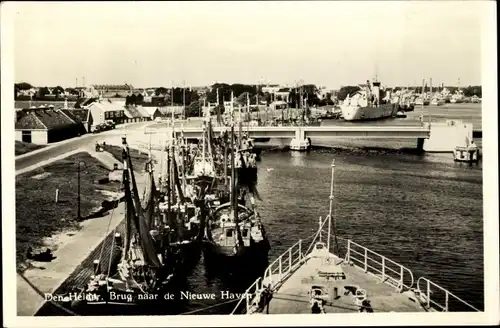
[(434, 296), (387, 270)]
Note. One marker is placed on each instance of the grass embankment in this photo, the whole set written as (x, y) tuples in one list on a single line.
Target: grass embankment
[(37, 214), (138, 159), (25, 147)]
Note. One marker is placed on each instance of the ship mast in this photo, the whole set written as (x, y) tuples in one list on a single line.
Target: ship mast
[(331, 209)]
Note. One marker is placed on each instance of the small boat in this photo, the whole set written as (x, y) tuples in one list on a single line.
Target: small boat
[(469, 153), (437, 101), (317, 279), (401, 114)]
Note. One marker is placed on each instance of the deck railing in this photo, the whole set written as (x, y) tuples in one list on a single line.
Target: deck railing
[(283, 266), (435, 296), (249, 294), (279, 270), (387, 270)]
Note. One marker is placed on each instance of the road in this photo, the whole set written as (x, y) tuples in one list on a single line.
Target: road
[(51, 151)]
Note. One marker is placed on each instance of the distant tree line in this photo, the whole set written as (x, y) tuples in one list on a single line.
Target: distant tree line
[(43, 93)]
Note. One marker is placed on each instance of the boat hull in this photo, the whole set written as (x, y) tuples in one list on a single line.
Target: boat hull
[(254, 256), (351, 113)]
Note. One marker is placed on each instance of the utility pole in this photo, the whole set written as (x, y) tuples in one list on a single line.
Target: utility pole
[(78, 211), (184, 100)]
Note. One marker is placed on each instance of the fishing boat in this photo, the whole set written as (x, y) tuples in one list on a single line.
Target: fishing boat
[(318, 280), (436, 101), (140, 261), (457, 97), (367, 104), (234, 231)]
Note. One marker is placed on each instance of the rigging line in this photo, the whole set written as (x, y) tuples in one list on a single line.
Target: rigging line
[(111, 253), (39, 292), (105, 235), (209, 307)]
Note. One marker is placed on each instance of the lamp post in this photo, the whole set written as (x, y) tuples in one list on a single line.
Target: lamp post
[(78, 214)]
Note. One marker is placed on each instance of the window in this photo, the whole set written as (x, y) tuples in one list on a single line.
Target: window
[(229, 233), (26, 136), (245, 232)]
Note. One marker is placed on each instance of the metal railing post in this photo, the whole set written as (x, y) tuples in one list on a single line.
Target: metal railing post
[(401, 279), (348, 255), (300, 250), (280, 266), (383, 268), (446, 302), (428, 294), (366, 259)]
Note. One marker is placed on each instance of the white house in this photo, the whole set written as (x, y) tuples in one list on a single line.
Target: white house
[(103, 110)]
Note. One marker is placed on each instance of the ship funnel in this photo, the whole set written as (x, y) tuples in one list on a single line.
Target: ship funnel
[(376, 92)]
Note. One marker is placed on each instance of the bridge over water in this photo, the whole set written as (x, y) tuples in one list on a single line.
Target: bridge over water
[(431, 137)]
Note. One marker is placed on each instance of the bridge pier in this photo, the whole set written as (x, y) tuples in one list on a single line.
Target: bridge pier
[(444, 137), (299, 134), (420, 144), (300, 142)]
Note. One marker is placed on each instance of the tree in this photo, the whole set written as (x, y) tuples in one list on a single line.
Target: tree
[(58, 90), (72, 91), (23, 86), (42, 92), (161, 91), (194, 109), (473, 90), (347, 90), (139, 99), (267, 97)]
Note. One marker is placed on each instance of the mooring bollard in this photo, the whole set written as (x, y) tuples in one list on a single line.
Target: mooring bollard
[(57, 196)]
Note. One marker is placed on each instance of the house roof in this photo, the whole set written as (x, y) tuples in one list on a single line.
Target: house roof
[(77, 114), (112, 86), (168, 110), (144, 111), (43, 118), (133, 112), (107, 105)]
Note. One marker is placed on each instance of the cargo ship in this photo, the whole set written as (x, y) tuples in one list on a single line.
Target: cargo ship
[(367, 104)]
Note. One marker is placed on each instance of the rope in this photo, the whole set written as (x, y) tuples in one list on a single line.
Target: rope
[(39, 292), (111, 252), (209, 307), (106, 234)]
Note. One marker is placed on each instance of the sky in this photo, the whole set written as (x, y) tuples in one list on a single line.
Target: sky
[(326, 43)]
